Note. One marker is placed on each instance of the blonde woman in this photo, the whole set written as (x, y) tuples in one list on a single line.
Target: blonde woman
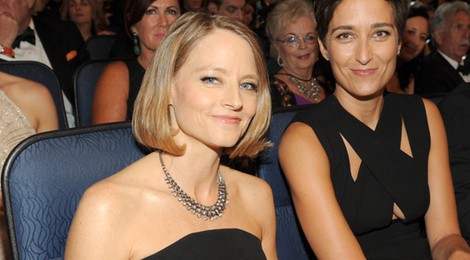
[(204, 94)]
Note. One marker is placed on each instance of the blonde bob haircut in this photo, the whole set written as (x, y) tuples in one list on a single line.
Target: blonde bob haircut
[(151, 119)]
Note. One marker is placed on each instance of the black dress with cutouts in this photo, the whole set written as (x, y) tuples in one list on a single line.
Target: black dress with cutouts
[(386, 175)]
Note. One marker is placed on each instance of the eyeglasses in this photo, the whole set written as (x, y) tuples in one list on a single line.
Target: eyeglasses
[(293, 40)]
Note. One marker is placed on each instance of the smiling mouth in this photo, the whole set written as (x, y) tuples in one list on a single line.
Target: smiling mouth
[(364, 72), (228, 119), (303, 57), (411, 49)]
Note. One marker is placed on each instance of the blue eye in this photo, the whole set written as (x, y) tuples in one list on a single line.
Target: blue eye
[(249, 86), (209, 80)]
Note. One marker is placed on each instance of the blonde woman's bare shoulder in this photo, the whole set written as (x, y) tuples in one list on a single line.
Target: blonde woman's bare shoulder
[(125, 189), (247, 186)]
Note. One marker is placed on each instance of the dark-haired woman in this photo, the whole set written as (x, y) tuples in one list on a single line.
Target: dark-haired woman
[(147, 22), (368, 171)]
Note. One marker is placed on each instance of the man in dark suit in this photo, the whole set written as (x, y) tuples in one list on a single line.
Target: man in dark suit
[(57, 44), (455, 110), (444, 70)]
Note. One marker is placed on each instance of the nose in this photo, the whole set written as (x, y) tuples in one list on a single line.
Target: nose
[(163, 20), (238, 14), (363, 52), (466, 32), (414, 40), (302, 43), (231, 97)]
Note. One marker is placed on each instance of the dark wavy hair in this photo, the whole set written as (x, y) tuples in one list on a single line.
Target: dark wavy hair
[(324, 10)]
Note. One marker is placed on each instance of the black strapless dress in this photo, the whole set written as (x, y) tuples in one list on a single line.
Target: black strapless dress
[(223, 244)]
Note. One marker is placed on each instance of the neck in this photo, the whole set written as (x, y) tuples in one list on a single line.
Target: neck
[(305, 74), (85, 30), (144, 58), (24, 26), (196, 168), (365, 109)]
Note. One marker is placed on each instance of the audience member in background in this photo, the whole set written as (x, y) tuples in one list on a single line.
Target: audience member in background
[(369, 173), (229, 8), (444, 70), (26, 108), (413, 43), (205, 93), (114, 12), (455, 110), (87, 16), (191, 5), (147, 22), (262, 8), (291, 29), (51, 9), (39, 6), (45, 39), (248, 13)]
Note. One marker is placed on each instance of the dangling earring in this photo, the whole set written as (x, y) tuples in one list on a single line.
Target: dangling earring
[(279, 61), (136, 48)]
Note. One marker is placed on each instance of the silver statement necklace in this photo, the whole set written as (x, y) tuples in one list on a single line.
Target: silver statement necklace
[(201, 211), (311, 91)]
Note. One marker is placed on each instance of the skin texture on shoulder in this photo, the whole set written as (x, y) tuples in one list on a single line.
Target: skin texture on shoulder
[(33, 99), (111, 93), (319, 213)]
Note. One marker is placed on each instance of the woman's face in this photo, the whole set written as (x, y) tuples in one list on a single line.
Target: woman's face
[(362, 45), (155, 22), (214, 93), (414, 37), (80, 11), (298, 46)]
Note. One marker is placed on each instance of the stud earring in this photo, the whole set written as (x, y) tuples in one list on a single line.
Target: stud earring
[(136, 48)]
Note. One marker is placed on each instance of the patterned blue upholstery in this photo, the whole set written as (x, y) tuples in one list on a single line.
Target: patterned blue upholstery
[(45, 176), (291, 243), (85, 79)]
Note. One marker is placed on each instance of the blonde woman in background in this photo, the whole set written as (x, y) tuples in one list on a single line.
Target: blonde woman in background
[(87, 16)]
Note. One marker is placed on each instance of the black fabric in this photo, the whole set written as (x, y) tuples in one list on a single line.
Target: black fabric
[(213, 244), (59, 39), (386, 174), (455, 110), (27, 36), (436, 76), (136, 74), (465, 70)]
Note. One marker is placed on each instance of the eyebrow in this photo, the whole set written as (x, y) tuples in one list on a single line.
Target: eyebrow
[(253, 76), (350, 27)]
